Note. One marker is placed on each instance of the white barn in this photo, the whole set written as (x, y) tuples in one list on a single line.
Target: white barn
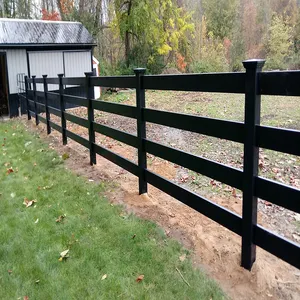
[(35, 47)]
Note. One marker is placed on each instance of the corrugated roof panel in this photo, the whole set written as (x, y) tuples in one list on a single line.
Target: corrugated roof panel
[(16, 31)]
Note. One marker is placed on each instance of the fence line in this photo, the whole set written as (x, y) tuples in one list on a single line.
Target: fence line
[(253, 83)]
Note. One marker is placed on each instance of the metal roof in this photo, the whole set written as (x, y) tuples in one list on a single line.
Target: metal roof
[(17, 32)]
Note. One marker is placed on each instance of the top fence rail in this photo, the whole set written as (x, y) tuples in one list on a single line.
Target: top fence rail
[(280, 83)]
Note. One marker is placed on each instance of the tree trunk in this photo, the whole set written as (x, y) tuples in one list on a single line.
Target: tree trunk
[(127, 37)]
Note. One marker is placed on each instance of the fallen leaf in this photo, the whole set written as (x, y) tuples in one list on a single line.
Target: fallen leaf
[(133, 236), (64, 253), (28, 203), (36, 221), (37, 281), (60, 219), (13, 195), (9, 271), (234, 193), (182, 257), (26, 298), (65, 156), (104, 277), (140, 278), (10, 170)]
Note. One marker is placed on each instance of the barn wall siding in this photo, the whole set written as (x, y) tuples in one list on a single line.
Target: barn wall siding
[(77, 63), (46, 63), (16, 63)]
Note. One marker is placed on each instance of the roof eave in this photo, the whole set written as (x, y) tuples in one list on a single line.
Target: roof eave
[(38, 45)]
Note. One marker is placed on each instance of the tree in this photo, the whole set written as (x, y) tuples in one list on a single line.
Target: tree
[(212, 53), (279, 43), (220, 15), (151, 30)]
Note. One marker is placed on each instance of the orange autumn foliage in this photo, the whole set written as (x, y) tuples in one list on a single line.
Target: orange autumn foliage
[(66, 6), (50, 16), (180, 62)]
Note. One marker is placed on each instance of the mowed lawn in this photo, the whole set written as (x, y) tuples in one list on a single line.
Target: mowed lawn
[(108, 249)]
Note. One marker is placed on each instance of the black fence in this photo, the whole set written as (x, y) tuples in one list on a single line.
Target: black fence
[(253, 83)]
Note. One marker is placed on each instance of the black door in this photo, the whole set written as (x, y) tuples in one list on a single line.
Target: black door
[(3, 86)]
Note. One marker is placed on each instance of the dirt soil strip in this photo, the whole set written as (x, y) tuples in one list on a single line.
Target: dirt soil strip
[(215, 249)]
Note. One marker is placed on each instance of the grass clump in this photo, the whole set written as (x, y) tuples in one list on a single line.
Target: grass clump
[(108, 249)]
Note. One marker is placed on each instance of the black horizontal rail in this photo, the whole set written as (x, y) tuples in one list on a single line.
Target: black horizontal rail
[(217, 171), (38, 80), (52, 81), (121, 136), (215, 82), (43, 120), (22, 96), (77, 120), (55, 126), (77, 138), (31, 101), (73, 81), (80, 101), (54, 111), (215, 212), (52, 96), (277, 245), (40, 94), (40, 104), (118, 160), (233, 131), (32, 113), (278, 139), (283, 83), (114, 108), (278, 193), (118, 82)]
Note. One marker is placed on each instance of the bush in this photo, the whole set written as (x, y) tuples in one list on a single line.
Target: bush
[(212, 60)]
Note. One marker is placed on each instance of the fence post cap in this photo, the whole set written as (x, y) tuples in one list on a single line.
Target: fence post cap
[(88, 74), (254, 63), (33, 76), (44, 76), (60, 75), (139, 70)]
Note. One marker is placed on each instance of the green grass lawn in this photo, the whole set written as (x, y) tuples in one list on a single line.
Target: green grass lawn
[(99, 236)]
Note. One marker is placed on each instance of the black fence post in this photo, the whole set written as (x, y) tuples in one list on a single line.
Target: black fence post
[(62, 110), (141, 129), (89, 95), (34, 99), (46, 104), (251, 157), (26, 94)]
